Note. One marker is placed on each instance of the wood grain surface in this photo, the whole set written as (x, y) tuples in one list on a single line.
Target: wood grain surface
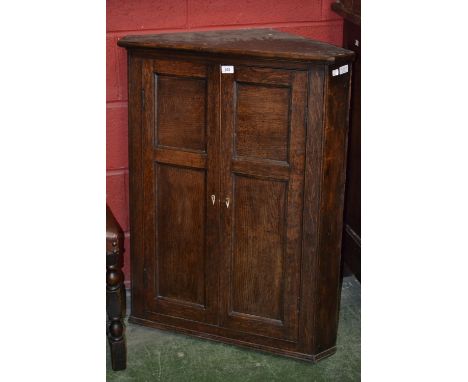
[(265, 43)]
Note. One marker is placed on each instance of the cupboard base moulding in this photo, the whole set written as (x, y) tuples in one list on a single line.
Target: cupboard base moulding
[(219, 338)]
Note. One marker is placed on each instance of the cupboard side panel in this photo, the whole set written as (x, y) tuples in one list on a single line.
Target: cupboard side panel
[(327, 276)]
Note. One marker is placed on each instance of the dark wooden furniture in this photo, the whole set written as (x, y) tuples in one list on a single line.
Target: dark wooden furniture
[(115, 295), (237, 168), (351, 11)]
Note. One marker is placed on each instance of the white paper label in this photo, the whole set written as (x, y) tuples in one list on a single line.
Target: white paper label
[(227, 69), (335, 72), (343, 69)]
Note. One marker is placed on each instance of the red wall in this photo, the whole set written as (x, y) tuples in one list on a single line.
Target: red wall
[(309, 18)]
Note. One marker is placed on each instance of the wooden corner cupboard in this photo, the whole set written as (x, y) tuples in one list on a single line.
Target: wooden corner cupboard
[(237, 170)]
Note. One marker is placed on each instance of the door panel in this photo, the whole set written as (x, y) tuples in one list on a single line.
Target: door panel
[(181, 115), (259, 212), (263, 135), (266, 108), (180, 147), (181, 232)]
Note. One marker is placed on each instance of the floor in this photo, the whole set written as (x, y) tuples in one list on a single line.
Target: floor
[(155, 355)]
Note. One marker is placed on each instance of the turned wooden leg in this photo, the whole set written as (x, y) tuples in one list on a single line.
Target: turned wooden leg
[(115, 307)]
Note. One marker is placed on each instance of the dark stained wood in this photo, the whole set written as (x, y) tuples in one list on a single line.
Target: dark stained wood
[(351, 249), (257, 266), (327, 271), (219, 58), (352, 231), (136, 182), (261, 229), (179, 248), (352, 215), (311, 212), (180, 157), (182, 69), (181, 113), (115, 292), (267, 76), (265, 43), (180, 273), (350, 10), (257, 263), (261, 168), (114, 233), (266, 108)]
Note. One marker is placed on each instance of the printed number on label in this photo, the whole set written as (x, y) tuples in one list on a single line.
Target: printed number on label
[(341, 70), (227, 69)]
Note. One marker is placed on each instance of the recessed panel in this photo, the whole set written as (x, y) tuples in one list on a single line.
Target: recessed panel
[(262, 121), (180, 222), (181, 112), (258, 247)]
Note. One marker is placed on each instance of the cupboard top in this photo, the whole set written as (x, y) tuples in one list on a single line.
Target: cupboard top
[(264, 43)]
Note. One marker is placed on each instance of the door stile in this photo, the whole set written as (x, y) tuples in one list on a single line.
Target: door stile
[(293, 251), (213, 205), (227, 85)]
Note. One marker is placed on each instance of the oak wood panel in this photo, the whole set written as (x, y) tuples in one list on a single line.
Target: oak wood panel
[(181, 112), (327, 272), (266, 108), (180, 252), (259, 238)]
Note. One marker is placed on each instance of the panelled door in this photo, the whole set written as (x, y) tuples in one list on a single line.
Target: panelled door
[(223, 166), (180, 179), (263, 149)]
